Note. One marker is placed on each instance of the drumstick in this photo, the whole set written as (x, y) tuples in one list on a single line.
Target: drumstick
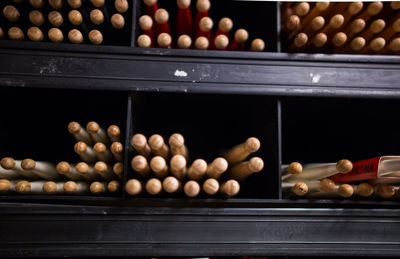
[(303, 188), (240, 38), (242, 151), (96, 16), (23, 187), (72, 187), (159, 167), (317, 10), (102, 153), (51, 187), (320, 39), (75, 17), (8, 174), (375, 27), (133, 187), (104, 170), (245, 169), (9, 163), (390, 31), (36, 17), (75, 36), (293, 22), (211, 186), (37, 3), (184, 42), (95, 37), (56, 4), (97, 188), (140, 165), (117, 21), (55, 35), (35, 187), (392, 47), (197, 170), (158, 146), (201, 43), (97, 133), (164, 40), (1, 33), (55, 18), (139, 143), (114, 133), (301, 40), (15, 33), (161, 18), (118, 169), (335, 23), (343, 190), (35, 34), (217, 167), (301, 9), (6, 185), (42, 169), (191, 188), (257, 45), (224, 27), (121, 5), (205, 26), (364, 189), (203, 7), (373, 9), (355, 45), (153, 186), (230, 188), (293, 168), (339, 39), (75, 3), (117, 150), (98, 3), (11, 13), (151, 6), (86, 171), (144, 41), (113, 186), (385, 190), (171, 185), (375, 45), (69, 171), (177, 145), (85, 152), (184, 21), (178, 166), (221, 42)]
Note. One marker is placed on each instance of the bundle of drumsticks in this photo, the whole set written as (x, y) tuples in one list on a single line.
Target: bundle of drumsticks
[(221, 175), (100, 170), (340, 27)]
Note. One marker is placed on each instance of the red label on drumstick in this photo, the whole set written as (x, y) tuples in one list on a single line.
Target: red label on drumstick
[(362, 170)]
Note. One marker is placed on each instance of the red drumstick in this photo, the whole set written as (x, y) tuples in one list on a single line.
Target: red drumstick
[(184, 22), (161, 17), (239, 40), (202, 6), (151, 6), (224, 27), (146, 24)]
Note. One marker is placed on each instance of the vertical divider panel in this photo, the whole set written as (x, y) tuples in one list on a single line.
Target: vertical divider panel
[(135, 16), (278, 27), (279, 146), (128, 133)]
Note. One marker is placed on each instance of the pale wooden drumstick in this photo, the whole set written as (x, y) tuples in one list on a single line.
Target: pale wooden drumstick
[(139, 143), (191, 188), (343, 190), (35, 34), (318, 9), (117, 21), (320, 39), (56, 4), (294, 168), (385, 190), (104, 170), (178, 166), (64, 168), (242, 151), (36, 17), (11, 13), (23, 187), (55, 18), (51, 187), (86, 171), (303, 188), (184, 41), (15, 33), (158, 146), (97, 188), (8, 174), (85, 152), (97, 133), (374, 46), (113, 186), (117, 150), (339, 39), (197, 170), (153, 186), (300, 41), (230, 188), (72, 187), (133, 187), (392, 47), (118, 169), (164, 40), (15, 165), (96, 16), (177, 145), (98, 3), (204, 27), (79, 133), (1, 33), (201, 43), (159, 167), (171, 185), (301, 9), (141, 166), (75, 17), (323, 170), (42, 169), (6, 185), (75, 3), (211, 186), (121, 5), (364, 189), (221, 42), (102, 153), (293, 22), (390, 31), (245, 169), (114, 133), (217, 167), (37, 3), (75, 36)]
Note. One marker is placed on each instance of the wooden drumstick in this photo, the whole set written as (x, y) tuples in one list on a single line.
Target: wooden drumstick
[(164, 40), (23, 187), (102, 153), (97, 133), (8, 174), (35, 187), (140, 165), (133, 187), (97, 188), (230, 188), (322, 170), (354, 44), (375, 27), (293, 168), (37, 3), (158, 146), (171, 185), (153, 186), (104, 170), (245, 169), (56, 4), (320, 39), (55, 18), (345, 190), (96, 16), (161, 18), (390, 31), (72, 187), (317, 10), (113, 186), (197, 170), (51, 187), (86, 171), (75, 17), (221, 42), (373, 9), (95, 37), (339, 39), (391, 48), (335, 23), (257, 45), (205, 26), (121, 5), (364, 189), (55, 35), (11, 13), (203, 7), (293, 22), (75, 3), (79, 133), (375, 45), (36, 17), (151, 6), (201, 43), (15, 33), (242, 151), (144, 41), (6, 185), (225, 25), (64, 168), (139, 143), (86, 153), (177, 145), (217, 167), (146, 25), (35, 34), (42, 169), (184, 21), (211, 186), (302, 188), (240, 38), (1, 33), (191, 189), (301, 9), (117, 21), (385, 191), (159, 167), (184, 42), (9, 163), (117, 150), (98, 3), (118, 169), (75, 36), (178, 166)]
